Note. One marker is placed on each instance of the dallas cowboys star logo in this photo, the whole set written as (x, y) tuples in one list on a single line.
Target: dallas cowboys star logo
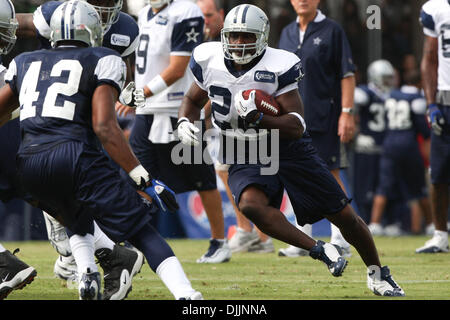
[(192, 35), (317, 41)]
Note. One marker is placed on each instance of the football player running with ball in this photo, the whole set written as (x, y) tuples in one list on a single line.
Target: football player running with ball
[(242, 61)]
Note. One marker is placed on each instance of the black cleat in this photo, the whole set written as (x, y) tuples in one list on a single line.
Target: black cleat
[(119, 267), (14, 273)]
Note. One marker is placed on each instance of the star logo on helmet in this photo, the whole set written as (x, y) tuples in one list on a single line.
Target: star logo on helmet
[(192, 36)]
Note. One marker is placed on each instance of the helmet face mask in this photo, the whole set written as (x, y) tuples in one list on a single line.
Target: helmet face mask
[(109, 14), (247, 19), (381, 73), (77, 21), (8, 26), (157, 4)]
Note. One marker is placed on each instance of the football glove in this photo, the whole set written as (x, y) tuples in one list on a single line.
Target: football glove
[(163, 196), (132, 97), (246, 109), (436, 118), (186, 132)]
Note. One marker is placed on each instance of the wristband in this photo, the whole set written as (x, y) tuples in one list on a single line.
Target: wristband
[(301, 120), (157, 84), (139, 172)]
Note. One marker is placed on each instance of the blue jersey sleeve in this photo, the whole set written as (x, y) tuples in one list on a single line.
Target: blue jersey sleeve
[(187, 34), (427, 20), (196, 70), (293, 75)]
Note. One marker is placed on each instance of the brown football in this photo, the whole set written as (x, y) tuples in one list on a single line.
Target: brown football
[(264, 102)]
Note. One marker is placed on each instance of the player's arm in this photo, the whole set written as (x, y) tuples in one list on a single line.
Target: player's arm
[(429, 68), (8, 103), (26, 28), (174, 71), (290, 123), (346, 124), (106, 127)]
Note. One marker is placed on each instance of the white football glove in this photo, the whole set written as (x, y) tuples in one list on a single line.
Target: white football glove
[(187, 131), (246, 109), (132, 97)]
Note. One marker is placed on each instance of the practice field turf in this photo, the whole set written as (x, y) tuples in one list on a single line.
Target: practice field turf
[(252, 276)]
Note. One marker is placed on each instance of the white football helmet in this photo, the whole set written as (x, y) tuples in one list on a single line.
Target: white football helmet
[(245, 18), (76, 20), (157, 3), (381, 73), (108, 14), (8, 26)]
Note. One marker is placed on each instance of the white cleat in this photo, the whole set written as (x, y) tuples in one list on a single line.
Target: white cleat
[(242, 240), (293, 252), (380, 282), (218, 252), (66, 268), (376, 229), (195, 296), (328, 254), (436, 244)]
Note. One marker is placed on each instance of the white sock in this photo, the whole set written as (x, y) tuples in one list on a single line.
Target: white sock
[(441, 234), (2, 248), (101, 240), (172, 274), (337, 237), (307, 229), (83, 252)]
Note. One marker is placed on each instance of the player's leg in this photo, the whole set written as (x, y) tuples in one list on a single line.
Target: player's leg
[(439, 192), (14, 273), (336, 235), (164, 263), (82, 245), (244, 236), (254, 204), (356, 232)]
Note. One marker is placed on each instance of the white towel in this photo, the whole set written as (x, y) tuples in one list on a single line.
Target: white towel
[(162, 130)]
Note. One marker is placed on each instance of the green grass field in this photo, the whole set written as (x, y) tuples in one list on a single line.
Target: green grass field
[(251, 276)]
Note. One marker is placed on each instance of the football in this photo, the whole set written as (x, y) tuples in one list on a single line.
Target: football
[(264, 102)]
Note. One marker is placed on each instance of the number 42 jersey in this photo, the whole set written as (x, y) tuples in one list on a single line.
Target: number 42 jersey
[(55, 89)]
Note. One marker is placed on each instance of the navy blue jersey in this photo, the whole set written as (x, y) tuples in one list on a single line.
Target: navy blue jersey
[(369, 104), (55, 89), (326, 58), (405, 118), (122, 36)]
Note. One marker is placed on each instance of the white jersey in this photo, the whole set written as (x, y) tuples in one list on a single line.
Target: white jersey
[(277, 72), (435, 19), (175, 30)]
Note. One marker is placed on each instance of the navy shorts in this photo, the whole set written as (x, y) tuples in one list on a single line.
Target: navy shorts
[(312, 189), (328, 146), (402, 171), (79, 184), (440, 151), (9, 145), (156, 159)]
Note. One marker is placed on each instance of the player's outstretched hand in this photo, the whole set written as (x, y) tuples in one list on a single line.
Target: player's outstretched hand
[(436, 118), (186, 132), (132, 97), (162, 195)]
